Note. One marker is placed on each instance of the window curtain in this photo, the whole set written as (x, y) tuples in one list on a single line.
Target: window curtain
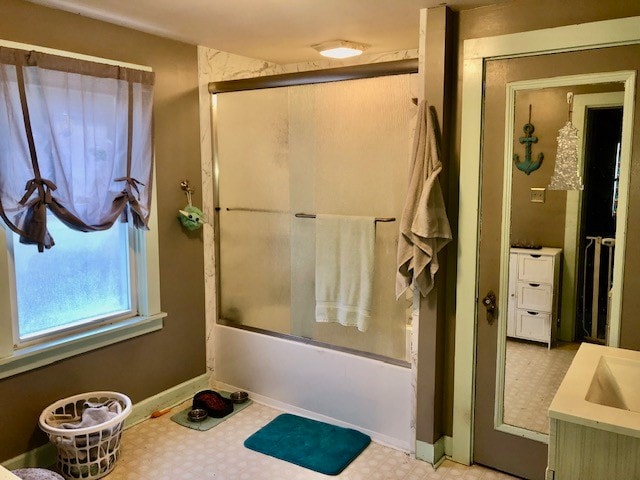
[(75, 140)]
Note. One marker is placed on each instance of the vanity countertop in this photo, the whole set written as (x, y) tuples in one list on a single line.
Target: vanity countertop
[(600, 390), (536, 251)]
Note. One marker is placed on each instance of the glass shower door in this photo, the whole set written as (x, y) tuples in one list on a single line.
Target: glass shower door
[(338, 148)]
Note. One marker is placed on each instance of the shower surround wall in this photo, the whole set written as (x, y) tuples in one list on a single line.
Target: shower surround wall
[(371, 395)]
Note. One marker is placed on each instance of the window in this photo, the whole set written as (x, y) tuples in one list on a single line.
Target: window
[(93, 281), (78, 267)]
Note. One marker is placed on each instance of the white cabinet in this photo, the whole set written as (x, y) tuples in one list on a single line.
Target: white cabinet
[(533, 325), (534, 296), (534, 277)]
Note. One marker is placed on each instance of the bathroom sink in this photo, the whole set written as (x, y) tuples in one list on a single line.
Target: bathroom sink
[(601, 390), (594, 418), (616, 383)]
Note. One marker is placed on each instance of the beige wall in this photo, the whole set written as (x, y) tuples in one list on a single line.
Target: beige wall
[(511, 17), (540, 223), (537, 223), (146, 365)]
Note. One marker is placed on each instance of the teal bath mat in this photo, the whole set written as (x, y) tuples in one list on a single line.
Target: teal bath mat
[(181, 417), (311, 444)]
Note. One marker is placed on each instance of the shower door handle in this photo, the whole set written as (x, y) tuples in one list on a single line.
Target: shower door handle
[(489, 302)]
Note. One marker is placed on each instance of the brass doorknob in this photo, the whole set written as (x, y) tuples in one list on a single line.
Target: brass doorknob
[(489, 302)]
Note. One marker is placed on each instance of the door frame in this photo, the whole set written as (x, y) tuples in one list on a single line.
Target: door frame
[(571, 255), (624, 31), (627, 78)]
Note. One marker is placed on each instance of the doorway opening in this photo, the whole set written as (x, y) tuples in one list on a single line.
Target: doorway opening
[(597, 239)]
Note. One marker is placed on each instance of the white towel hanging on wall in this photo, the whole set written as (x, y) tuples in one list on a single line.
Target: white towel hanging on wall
[(424, 226)]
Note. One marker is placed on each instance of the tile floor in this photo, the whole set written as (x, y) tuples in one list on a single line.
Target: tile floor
[(533, 375), (159, 449)]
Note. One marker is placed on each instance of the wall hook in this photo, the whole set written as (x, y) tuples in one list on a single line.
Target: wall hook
[(528, 165), (191, 217), (570, 102), (186, 188)]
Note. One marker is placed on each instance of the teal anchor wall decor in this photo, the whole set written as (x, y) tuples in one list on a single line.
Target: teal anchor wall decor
[(528, 165)]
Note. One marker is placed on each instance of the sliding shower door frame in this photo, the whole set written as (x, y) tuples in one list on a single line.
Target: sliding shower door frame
[(356, 72)]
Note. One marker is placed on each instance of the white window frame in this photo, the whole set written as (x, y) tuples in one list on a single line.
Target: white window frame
[(135, 238), (145, 266)]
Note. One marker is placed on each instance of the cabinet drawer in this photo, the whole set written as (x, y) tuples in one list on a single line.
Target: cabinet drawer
[(533, 325), (535, 296), (535, 268)]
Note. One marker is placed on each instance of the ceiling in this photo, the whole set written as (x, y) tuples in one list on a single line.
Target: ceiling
[(280, 31)]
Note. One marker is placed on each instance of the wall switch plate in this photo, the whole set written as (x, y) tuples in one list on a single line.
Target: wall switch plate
[(537, 195)]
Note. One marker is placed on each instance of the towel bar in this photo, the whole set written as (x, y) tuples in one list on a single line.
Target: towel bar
[(311, 215), (297, 215), (242, 209)]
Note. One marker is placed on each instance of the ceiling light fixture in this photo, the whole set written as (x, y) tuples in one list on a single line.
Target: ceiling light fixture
[(340, 48)]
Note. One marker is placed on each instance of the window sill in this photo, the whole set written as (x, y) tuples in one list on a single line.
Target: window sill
[(46, 353)]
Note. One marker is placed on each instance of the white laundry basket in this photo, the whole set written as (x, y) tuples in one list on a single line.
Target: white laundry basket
[(91, 452)]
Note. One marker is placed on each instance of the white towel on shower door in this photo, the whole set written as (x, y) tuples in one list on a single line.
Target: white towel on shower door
[(344, 269)]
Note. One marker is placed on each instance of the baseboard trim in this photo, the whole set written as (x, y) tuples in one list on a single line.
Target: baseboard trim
[(431, 453), (448, 446), (382, 439), (168, 398), (45, 455)]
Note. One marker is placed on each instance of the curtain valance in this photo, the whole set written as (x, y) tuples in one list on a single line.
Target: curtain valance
[(75, 140)]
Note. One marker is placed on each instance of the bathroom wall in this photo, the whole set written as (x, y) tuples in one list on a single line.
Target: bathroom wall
[(538, 223), (520, 16), (146, 365), (541, 223)]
